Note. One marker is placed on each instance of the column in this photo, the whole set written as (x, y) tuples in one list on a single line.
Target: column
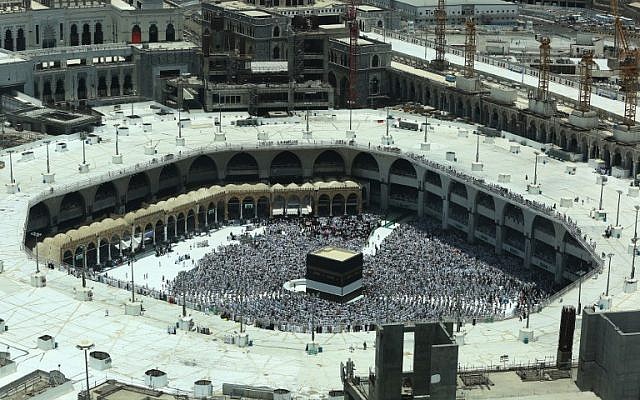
[(445, 213), (175, 227), (121, 82), (186, 218), (255, 210), (241, 207), (165, 232), (471, 227), (331, 208), (109, 251), (226, 210), (499, 228), (559, 266), (528, 249), (98, 252), (108, 82), (215, 214), (634, 172), (154, 236), (206, 218), (384, 196), (345, 207), (420, 203)]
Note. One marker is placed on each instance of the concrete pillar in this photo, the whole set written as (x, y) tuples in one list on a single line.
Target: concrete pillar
[(98, 252), (445, 213), (471, 227), (560, 257), (109, 251), (241, 211), (420, 203), (528, 249), (498, 248), (164, 228), (384, 196)]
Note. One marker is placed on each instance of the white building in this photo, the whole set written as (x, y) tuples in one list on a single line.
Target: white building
[(484, 11)]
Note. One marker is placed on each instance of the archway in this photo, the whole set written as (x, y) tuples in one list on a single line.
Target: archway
[(203, 171), (8, 40), (86, 34), (98, 35), (74, 39), (286, 167), (324, 205), (329, 163), (21, 42), (136, 35), (337, 205), (242, 167), (352, 204), (153, 33), (170, 33)]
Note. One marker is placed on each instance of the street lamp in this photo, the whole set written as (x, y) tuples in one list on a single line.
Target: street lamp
[(610, 255), (116, 125), (12, 181), (635, 244), (84, 154), (37, 235), (426, 122), (85, 346), (535, 169), (46, 142), (580, 275), (478, 147), (602, 182), (618, 209)]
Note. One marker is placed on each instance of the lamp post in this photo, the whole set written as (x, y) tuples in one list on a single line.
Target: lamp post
[(84, 154), (478, 147), (116, 125), (610, 255), (618, 209), (635, 244), (350, 102), (426, 122), (133, 94), (46, 142), (12, 181), (86, 346), (535, 169), (37, 235), (387, 122), (180, 121), (602, 182), (219, 113), (580, 275)]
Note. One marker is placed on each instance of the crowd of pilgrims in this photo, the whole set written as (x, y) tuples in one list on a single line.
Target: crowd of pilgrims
[(417, 273)]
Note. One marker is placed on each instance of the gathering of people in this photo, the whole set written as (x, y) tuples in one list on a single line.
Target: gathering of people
[(417, 273)]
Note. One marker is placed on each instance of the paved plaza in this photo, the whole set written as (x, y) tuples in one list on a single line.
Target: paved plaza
[(276, 359)]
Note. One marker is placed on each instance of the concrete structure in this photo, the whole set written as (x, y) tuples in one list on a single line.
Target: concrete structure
[(484, 11), (435, 363), (609, 363)]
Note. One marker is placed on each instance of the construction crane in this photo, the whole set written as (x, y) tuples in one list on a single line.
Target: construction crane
[(620, 43), (354, 32), (586, 82), (469, 48), (440, 31), (543, 78), (628, 61)]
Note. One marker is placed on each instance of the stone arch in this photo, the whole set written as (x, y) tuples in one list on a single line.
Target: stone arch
[(202, 171), (169, 180), (403, 167), (276, 53), (352, 204), (432, 178), (263, 207), (170, 33), (366, 162), (153, 33), (72, 210), (136, 34), (98, 35), (324, 205), (86, 34), (338, 204), (276, 31), (286, 166), (74, 38), (105, 199), (21, 41), (39, 218), (329, 163), (242, 167), (375, 61), (8, 40), (138, 190)]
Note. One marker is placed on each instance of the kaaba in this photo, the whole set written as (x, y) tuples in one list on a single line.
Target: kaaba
[(334, 274)]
